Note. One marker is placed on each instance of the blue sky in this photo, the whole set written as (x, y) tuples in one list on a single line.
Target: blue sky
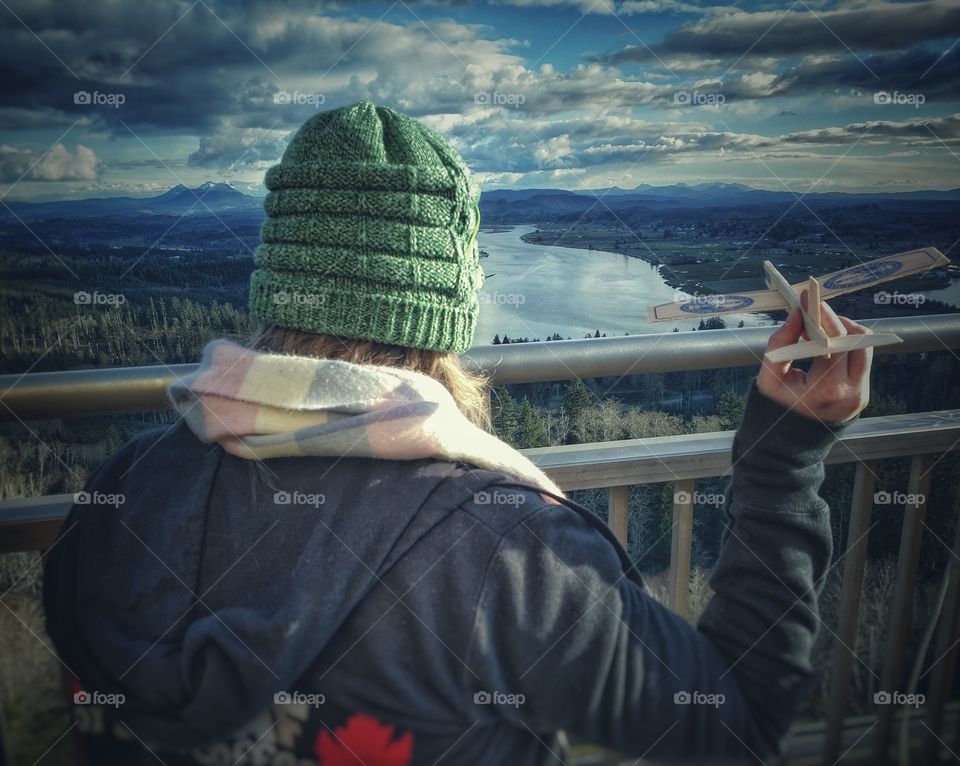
[(848, 96)]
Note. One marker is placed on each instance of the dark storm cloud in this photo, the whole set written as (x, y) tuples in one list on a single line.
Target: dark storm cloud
[(19, 118), (210, 72), (157, 68), (178, 66), (781, 34), (919, 70), (213, 71), (919, 131)]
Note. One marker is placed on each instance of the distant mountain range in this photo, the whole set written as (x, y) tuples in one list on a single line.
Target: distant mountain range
[(712, 195), (496, 205), (180, 200), (530, 205)]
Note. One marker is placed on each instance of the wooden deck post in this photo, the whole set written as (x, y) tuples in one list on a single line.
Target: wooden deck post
[(908, 561), (944, 658), (680, 544), (864, 482), (618, 512)]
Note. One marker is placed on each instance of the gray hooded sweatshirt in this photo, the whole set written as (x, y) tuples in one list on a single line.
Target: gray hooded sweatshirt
[(361, 611)]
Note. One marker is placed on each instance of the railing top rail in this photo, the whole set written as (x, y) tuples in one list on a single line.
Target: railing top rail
[(102, 391), (31, 523), (700, 456)]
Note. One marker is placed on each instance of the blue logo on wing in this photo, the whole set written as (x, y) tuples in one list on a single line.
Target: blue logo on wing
[(711, 304), (862, 275)]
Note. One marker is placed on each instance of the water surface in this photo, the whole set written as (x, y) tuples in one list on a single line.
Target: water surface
[(534, 291)]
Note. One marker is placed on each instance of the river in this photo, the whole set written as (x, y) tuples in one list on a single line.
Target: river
[(534, 291)]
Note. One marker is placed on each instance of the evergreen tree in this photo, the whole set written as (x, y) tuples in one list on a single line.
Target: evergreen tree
[(577, 400), (531, 431), (730, 409), (505, 414)]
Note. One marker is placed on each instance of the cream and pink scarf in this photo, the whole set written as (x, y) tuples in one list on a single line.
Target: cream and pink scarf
[(259, 405)]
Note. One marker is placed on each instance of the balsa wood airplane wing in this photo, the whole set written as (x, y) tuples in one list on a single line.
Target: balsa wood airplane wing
[(848, 280), (878, 271), (712, 305)]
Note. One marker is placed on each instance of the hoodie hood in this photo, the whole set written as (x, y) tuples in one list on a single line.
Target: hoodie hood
[(199, 585)]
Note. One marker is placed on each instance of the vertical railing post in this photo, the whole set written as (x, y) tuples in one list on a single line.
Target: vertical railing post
[(864, 482), (4, 755), (618, 512), (680, 543), (945, 658), (908, 561)]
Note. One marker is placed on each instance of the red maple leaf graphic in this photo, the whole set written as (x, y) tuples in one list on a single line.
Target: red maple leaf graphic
[(364, 741)]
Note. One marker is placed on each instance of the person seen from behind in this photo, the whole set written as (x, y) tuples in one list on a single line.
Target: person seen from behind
[(330, 559)]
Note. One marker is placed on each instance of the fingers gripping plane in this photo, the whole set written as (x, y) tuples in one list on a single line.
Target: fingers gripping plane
[(780, 294)]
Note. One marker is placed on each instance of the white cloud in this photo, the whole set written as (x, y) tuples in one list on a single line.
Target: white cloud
[(584, 6), (673, 6), (234, 148), (58, 164)]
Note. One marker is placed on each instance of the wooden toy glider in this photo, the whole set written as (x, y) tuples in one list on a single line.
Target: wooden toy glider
[(782, 295)]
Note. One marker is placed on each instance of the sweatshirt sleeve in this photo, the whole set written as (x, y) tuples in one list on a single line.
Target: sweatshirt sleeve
[(564, 639)]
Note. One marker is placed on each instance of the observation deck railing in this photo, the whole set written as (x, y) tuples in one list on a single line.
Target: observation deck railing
[(31, 523)]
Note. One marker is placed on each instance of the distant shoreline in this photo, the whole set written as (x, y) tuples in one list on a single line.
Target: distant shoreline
[(542, 237), (695, 266)]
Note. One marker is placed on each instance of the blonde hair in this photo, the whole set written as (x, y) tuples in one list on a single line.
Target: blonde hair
[(469, 389)]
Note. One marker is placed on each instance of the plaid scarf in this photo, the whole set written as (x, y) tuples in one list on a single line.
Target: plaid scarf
[(259, 405)]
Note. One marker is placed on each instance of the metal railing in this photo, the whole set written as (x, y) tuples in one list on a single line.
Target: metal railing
[(30, 524), (102, 391)]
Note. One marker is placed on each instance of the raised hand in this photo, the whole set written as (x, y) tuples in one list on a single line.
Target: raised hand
[(834, 389)]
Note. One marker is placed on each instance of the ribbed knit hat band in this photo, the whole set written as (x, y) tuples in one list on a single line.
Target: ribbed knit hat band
[(371, 234)]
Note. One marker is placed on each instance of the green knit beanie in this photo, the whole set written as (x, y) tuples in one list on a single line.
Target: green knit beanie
[(370, 234)]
